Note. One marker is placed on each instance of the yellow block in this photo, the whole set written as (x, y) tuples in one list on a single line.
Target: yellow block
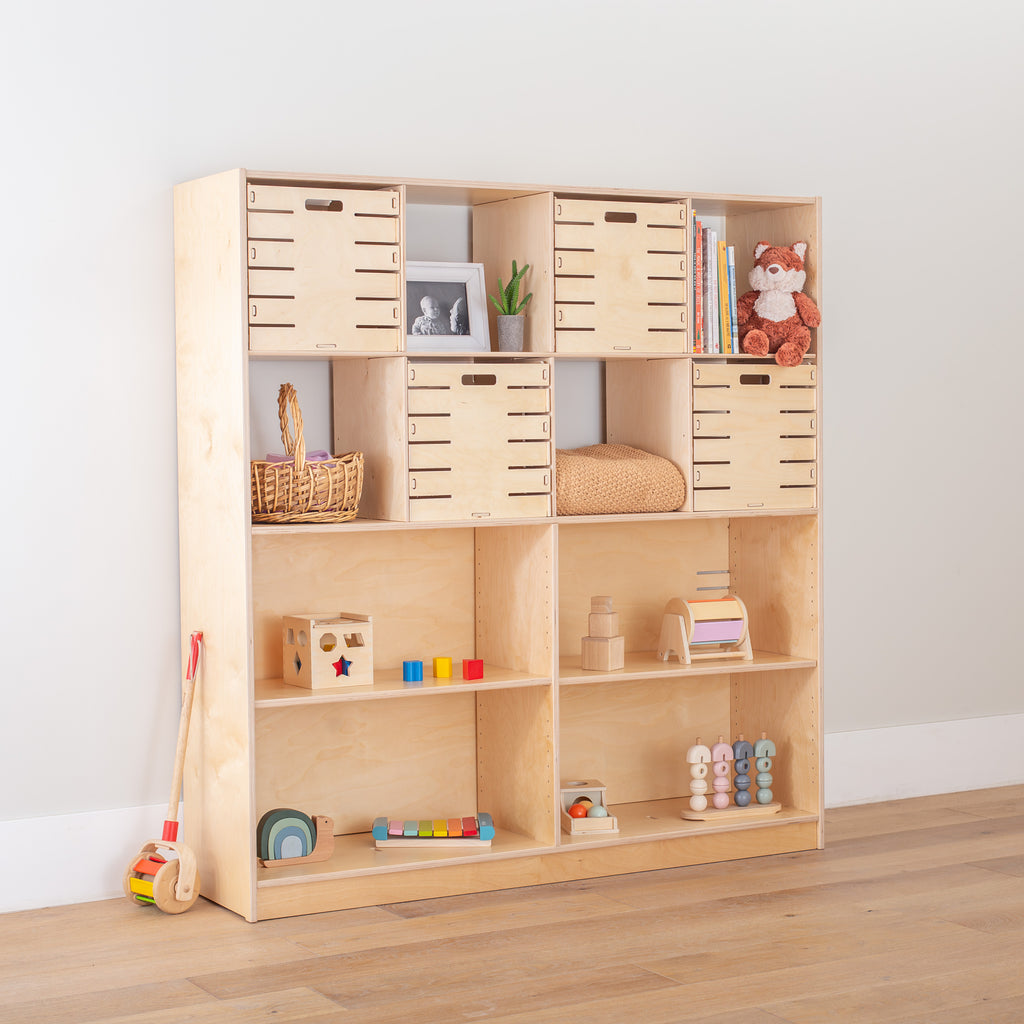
[(442, 668)]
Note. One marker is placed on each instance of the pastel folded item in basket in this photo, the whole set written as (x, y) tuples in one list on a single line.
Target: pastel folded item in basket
[(615, 479), (318, 456)]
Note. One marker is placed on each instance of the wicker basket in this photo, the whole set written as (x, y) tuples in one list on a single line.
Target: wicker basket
[(304, 492)]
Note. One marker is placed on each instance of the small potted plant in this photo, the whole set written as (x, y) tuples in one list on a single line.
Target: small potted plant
[(510, 310)]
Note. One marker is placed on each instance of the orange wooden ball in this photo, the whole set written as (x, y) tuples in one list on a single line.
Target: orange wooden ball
[(577, 811)]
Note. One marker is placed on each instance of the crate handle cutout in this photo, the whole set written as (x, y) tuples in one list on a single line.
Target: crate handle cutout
[(479, 379), (755, 378), (619, 217), (325, 205)]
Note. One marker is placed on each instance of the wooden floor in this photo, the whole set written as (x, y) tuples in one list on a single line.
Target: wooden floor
[(913, 913)]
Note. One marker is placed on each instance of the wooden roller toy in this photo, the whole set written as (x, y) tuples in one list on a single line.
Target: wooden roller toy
[(694, 630), (171, 885)]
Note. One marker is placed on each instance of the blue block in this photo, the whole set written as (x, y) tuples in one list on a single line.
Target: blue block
[(412, 671)]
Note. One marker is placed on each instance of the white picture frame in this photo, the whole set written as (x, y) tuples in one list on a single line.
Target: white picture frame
[(452, 287)]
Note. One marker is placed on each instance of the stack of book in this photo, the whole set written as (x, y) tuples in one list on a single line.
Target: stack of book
[(715, 330)]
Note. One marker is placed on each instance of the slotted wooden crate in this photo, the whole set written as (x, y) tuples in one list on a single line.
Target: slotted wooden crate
[(325, 269), (479, 440), (621, 277), (754, 437)]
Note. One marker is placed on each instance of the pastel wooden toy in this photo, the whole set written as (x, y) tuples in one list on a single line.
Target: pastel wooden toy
[(764, 751), (325, 651), (285, 836), (695, 630), (719, 758), (721, 764), (434, 833), (472, 668), (170, 884), (412, 671), (604, 649), (742, 751), (698, 757), (585, 809), (442, 668)]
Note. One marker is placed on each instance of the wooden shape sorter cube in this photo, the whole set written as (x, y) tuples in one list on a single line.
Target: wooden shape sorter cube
[(323, 651)]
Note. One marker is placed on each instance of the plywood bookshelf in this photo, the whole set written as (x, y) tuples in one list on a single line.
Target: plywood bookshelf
[(511, 585)]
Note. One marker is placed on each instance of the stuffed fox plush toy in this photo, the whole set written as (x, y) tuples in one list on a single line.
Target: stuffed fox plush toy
[(774, 318)]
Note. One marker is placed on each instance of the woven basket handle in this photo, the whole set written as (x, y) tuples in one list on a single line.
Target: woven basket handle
[(288, 399)]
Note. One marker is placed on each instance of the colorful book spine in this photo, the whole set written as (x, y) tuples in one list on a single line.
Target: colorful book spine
[(730, 261), (711, 303), (723, 299), (698, 286)]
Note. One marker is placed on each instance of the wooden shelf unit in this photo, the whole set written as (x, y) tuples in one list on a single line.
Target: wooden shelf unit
[(511, 589)]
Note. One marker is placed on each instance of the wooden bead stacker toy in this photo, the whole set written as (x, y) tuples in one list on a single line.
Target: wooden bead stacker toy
[(720, 759), (151, 879), (705, 629)]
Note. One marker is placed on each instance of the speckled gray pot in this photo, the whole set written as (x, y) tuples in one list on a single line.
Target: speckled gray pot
[(510, 333)]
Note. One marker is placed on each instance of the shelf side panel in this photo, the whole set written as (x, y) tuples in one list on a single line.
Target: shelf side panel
[(521, 229), (648, 407), (369, 400), (515, 760), (214, 501)]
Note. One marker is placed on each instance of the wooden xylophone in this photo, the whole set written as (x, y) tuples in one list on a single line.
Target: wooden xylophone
[(440, 833)]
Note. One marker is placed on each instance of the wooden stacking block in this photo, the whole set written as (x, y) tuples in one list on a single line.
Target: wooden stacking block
[(603, 622), (442, 668), (603, 654), (325, 651), (472, 668)]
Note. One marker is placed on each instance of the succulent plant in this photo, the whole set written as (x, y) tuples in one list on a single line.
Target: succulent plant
[(507, 302)]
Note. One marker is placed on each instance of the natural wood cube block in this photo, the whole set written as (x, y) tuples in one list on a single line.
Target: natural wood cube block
[(604, 624), (322, 651), (603, 654)]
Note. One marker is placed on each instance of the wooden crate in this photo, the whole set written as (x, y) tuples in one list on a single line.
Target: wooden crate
[(479, 440), (621, 276), (754, 437), (325, 269)]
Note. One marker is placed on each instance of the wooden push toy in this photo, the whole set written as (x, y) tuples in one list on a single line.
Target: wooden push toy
[(584, 810), (285, 837), (720, 758), (323, 651), (436, 833), (717, 628), (171, 885), (604, 648)]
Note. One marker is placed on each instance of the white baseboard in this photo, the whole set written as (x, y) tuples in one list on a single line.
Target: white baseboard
[(72, 858), (79, 858), (923, 760)]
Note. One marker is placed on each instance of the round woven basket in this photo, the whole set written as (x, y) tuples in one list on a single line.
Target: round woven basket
[(324, 491)]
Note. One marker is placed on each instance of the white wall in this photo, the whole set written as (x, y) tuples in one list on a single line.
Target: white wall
[(905, 117)]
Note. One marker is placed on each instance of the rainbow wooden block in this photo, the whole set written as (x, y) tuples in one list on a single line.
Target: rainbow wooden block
[(434, 833), (442, 668), (325, 651), (472, 668)]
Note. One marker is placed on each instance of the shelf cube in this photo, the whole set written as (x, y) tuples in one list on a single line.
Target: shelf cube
[(325, 651)]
